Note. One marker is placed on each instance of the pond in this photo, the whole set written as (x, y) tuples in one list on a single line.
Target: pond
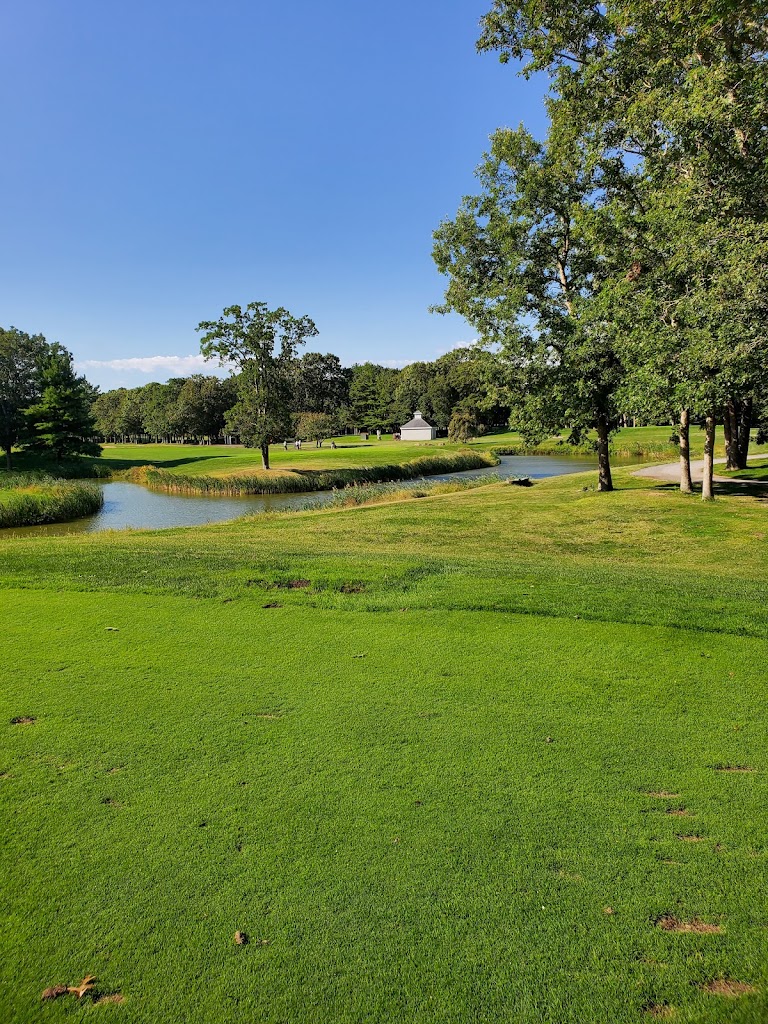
[(131, 505)]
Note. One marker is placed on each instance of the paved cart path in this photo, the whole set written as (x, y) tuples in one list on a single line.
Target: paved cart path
[(671, 471)]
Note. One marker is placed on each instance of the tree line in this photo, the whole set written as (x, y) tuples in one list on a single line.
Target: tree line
[(314, 398), (619, 263)]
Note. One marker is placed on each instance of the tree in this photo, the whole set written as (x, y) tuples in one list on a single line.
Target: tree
[(60, 421), (20, 358), (314, 426), (261, 343), (679, 93), (319, 383), (526, 260), (463, 425)]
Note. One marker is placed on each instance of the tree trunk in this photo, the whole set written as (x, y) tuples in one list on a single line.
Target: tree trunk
[(707, 484), (8, 459), (265, 456), (745, 425), (731, 434), (685, 451), (604, 481)]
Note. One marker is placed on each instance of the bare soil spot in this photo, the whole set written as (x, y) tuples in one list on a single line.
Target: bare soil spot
[(733, 768), (679, 812), (110, 997), (728, 987), (691, 839), (241, 939), (54, 992), (659, 1011), (662, 794), (116, 769), (353, 588), (292, 584), (24, 720), (670, 923), (109, 801)]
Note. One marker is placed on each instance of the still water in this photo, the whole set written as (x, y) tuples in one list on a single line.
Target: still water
[(131, 505)]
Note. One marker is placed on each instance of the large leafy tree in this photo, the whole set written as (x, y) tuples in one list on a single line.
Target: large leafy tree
[(60, 421), (526, 259), (261, 343), (319, 383), (677, 92), (21, 356)]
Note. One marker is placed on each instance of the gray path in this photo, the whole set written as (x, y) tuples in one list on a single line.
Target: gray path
[(671, 471)]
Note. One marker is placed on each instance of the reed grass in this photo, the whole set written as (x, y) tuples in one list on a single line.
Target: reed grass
[(34, 499), (372, 494), (303, 480)]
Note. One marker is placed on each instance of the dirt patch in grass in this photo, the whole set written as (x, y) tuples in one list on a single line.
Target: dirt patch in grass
[(352, 588), (109, 997), (662, 794), (659, 1011), (691, 839), (678, 812), (24, 720), (292, 584), (728, 987), (109, 801), (670, 923), (733, 768)]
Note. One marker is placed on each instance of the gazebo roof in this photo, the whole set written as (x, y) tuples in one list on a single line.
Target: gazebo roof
[(417, 421)]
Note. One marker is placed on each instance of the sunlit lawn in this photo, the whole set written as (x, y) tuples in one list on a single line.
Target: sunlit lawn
[(450, 760)]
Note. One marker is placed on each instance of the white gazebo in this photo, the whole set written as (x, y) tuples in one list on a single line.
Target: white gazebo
[(417, 429)]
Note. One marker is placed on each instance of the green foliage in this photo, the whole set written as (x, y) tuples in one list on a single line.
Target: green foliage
[(60, 421), (20, 358), (314, 426), (463, 425), (261, 343)]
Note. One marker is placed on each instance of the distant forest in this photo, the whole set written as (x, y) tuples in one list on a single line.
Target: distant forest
[(326, 399)]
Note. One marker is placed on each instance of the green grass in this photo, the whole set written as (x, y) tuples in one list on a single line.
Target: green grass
[(329, 730), (34, 500), (754, 471)]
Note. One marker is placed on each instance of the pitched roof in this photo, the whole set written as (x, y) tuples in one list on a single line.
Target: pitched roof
[(417, 423)]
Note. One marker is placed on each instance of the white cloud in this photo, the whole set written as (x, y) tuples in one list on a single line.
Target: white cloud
[(179, 365)]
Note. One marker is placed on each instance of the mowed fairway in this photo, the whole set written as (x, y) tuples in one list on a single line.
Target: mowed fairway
[(449, 761)]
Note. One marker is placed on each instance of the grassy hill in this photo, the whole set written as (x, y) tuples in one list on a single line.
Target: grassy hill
[(471, 757)]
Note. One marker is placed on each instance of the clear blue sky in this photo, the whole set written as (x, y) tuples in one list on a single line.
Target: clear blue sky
[(163, 159)]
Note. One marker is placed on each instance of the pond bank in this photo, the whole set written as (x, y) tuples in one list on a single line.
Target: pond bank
[(129, 505)]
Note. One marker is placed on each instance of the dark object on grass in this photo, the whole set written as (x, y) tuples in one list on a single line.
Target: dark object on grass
[(85, 986), (23, 720), (241, 939), (520, 481), (54, 992)]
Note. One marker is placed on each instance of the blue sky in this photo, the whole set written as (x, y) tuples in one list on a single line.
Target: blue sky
[(164, 159)]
